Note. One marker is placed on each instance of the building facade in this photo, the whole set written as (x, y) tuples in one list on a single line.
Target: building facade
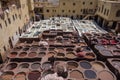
[(65, 8), (14, 19)]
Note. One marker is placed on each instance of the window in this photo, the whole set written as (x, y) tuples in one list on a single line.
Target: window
[(69, 11), (91, 3), (47, 10), (63, 3), (4, 48), (102, 8), (5, 23), (104, 11), (83, 3), (118, 13), (107, 12), (19, 16), (16, 16), (73, 11), (73, 4), (9, 20), (62, 10), (13, 17), (0, 26)]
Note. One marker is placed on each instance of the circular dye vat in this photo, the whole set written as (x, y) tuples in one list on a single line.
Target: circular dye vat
[(69, 49), (59, 50), (72, 65), (85, 65), (20, 76), (41, 54), (60, 55), (90, 55), (13, 54), (35, 66), (51, 49), (106, 75), (32, 54), (34, 75), (106, 53), (7, 76), (11, 66), (18, 48), (75, 74), (46, 65), (99, 47), (22, 54), (43, 49), (26, 49), (24, 66), (98, 66), (50, 54), (90, 74), (70, 55), (35, 48), (47, 72)]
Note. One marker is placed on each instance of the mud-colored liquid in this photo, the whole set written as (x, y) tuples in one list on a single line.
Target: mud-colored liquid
[(105, 75), (20, 76), (23, 54), (7, 76), (32, 54), (70, 55), (76, 75), (98, 66), (72, 65), (11, 66)]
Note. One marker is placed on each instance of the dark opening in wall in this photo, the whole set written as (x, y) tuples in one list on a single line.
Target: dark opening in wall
[(118, 13)]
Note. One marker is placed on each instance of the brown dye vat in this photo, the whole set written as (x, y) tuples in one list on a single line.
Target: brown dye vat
[(32, 54), (70, 55), (43, 49), (13, 54), (77, 75), (22, 54), (82, 44), (26, 49), (20, 76), (46, 66), (72, 65), (50, 54), (106, 75), (34, 75), (51, 49), (60, 55), (41, 54), (7, 76), (11, 66), (17, 48), (89, 55), (24, 66), (59, 50), (69, 49), (98, 66), (35, 65)]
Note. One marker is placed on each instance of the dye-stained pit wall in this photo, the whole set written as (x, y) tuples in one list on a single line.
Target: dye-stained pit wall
[(68, 56)]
